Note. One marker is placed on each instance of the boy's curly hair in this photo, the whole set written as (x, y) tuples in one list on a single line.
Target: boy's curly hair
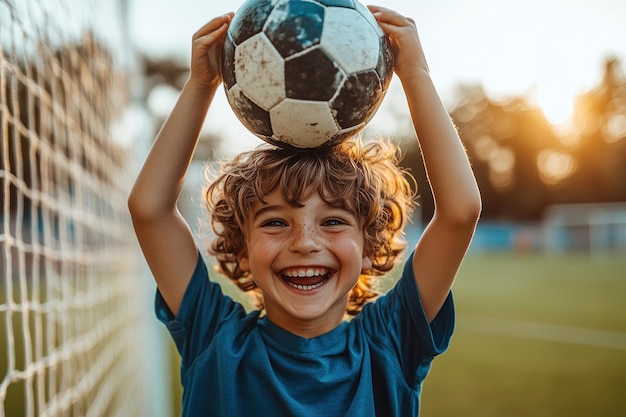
[(364, 177)]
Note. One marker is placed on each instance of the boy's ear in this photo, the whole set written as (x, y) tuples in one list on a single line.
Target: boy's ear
[(244, 261), (366, 263)]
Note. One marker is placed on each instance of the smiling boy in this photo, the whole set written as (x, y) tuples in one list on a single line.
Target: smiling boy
[(308, 230), (306, 260)]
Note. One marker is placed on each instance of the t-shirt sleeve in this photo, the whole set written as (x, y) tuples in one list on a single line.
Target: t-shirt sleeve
[(203, 309), (398, 321)]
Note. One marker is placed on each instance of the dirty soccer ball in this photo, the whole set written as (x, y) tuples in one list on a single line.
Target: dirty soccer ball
[(305, 73)]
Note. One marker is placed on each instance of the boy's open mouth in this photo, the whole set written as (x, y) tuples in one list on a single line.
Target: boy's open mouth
[(305, 279)]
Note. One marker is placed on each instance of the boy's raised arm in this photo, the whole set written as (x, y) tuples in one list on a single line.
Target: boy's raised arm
[(165, 238), (443, 245)]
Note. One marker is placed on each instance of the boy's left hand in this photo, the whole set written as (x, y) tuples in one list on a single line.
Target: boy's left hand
[(405, 43)]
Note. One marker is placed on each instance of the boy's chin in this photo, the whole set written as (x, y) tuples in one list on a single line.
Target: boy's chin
[(309, 317)]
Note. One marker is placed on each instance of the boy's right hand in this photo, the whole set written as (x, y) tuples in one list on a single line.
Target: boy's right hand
[(206, 53)]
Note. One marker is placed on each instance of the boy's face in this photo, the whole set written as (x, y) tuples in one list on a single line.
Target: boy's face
[(305, 260)]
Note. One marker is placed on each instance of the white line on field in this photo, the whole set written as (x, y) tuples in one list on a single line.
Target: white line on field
[(543, 331)]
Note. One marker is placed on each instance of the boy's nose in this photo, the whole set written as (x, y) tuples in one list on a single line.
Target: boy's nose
[(304, 239)]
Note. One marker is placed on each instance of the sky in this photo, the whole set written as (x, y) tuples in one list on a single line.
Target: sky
[(551, 50)]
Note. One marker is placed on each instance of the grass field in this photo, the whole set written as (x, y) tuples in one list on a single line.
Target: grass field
[(535, 336)]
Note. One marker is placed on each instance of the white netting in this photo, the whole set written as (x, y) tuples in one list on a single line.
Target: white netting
[(69, 316)]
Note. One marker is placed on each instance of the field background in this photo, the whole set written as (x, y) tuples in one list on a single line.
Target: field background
[(535, 336)]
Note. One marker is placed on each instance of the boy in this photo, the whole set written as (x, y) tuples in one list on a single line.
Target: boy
[(307, 229)]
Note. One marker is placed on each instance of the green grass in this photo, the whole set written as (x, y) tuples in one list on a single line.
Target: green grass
[(556, 370)]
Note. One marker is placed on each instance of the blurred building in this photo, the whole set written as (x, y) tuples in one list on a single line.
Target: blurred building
[(599, 229)]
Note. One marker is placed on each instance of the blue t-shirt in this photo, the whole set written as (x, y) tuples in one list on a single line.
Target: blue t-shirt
[(237, 364)]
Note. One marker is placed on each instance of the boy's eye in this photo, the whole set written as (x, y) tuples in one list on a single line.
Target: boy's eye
[(334, 222), (273, 223)]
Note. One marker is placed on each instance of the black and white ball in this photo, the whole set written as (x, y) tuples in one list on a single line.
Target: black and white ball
[(305, 73)]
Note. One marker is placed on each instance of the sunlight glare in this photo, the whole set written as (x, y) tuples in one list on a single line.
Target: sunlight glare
[(556, 101)]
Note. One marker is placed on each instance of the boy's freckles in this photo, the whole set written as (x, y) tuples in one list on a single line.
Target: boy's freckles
[(304, 238)]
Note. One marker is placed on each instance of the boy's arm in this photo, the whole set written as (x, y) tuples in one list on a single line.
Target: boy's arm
[(164, 236), (440, 250)]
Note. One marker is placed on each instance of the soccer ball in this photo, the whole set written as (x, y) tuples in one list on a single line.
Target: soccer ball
[(305, 73)]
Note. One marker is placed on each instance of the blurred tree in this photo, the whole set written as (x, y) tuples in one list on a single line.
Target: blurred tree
[(523, 164), (505, 140), (166, 71), (173, 73), (599, 141)]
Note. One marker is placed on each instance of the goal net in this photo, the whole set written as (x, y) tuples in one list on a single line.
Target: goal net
[(70, 322)]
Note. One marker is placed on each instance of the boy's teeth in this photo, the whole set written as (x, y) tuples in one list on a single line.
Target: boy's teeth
[(306, 287), (301, 273), (306, 279)]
